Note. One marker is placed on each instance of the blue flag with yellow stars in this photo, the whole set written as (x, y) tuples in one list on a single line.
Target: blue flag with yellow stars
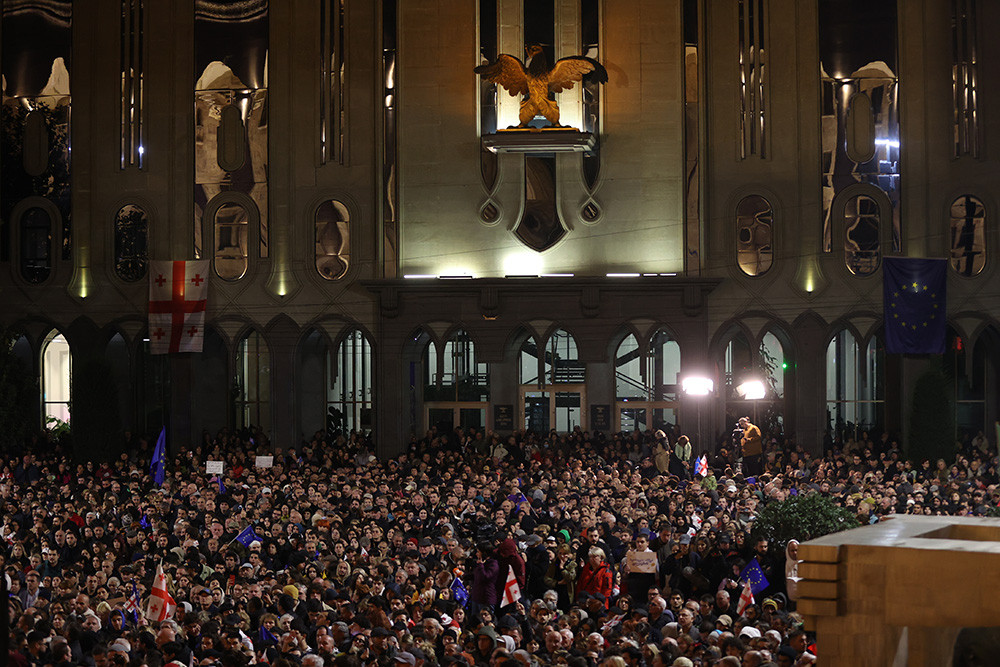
[(753, 575), (914, 292)]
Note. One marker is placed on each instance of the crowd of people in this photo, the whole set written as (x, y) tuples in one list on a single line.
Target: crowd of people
[(468, 549)]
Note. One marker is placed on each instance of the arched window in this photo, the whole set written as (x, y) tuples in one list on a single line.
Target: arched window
[(544, 406), (430, 359), (629, 381), (772, 354), (350, 397), (36, 245), (968, 235), (469, 377), (646, 384), (57, 370), (131, 237), (253, 376), (855, 386), (231, 224), (862, 229), (460, 388), (562, 363), (754, 235), (333, 240)]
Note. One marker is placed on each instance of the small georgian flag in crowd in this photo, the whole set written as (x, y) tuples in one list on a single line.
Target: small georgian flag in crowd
[(746, 599), (696, 520), (511, 591), (132, 604), (701, 465), (161, 605)]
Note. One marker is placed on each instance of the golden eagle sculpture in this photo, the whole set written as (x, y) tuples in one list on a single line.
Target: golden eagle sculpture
[(538, 80)]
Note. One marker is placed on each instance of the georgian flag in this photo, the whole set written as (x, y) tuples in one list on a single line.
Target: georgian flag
[(746, 599), (511, 591), (178, 294), (132, 604), (701, 466), (161, 605)]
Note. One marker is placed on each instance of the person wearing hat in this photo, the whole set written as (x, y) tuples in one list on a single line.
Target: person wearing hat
[(536, 565), (382, 651), (405, 658)]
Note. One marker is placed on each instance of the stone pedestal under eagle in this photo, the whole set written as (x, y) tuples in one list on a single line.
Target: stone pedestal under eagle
[(538, 80)]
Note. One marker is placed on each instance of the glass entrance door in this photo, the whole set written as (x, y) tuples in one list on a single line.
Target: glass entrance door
[(447, 416), (645, 415), (544, 409)]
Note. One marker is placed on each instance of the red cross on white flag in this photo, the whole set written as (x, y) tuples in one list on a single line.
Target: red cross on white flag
[(511, 591), (746, 599), (178, 294), (161, 605)]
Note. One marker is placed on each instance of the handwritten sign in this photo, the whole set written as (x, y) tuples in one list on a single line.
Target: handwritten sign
[(214, 467), (643, 562), (264, 461)]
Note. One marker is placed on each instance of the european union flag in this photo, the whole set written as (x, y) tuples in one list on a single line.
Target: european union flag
[(266, 637), (753, 575), (517, 499), (159, 465), (458, 591), (914, 305), (247, 536), (222, 489)]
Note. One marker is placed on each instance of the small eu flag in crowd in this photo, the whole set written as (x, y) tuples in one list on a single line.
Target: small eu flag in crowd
[(458, 591), (247, 536), (159, 465), (753, 575), (914, 305)]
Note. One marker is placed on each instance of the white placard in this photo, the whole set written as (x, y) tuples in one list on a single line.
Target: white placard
[(214, 467), (641, 561), (264, 461)]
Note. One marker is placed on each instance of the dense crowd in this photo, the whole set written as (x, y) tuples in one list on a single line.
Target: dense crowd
[(470, 548)]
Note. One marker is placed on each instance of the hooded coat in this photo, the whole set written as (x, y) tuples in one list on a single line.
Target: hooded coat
[(508, 557)]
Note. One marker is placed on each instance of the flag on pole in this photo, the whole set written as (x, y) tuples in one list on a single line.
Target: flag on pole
[(133, 603), (746, 599), (247, 536), (178, 296), (159, 465), (511, 591), (222, 489), (458, 591), (161, 605), (701, 465)]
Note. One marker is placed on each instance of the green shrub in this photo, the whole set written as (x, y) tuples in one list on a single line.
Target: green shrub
[(802, 517)]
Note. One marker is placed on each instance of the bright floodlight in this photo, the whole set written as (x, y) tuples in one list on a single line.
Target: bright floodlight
[(697, 386), (752, 390)]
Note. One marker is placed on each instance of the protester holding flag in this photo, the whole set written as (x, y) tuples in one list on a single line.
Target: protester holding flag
[(484, 589), (160, 605), (508, 557)]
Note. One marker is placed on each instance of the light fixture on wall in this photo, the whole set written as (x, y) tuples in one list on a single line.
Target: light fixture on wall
[(695, 385)]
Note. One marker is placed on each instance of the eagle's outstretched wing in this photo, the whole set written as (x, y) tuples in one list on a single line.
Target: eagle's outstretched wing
[(570, 70), (508, 71)]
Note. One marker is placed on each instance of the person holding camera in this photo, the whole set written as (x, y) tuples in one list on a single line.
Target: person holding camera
[(752, 443)]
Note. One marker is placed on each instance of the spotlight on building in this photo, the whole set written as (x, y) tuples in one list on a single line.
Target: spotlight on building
[(752, 390), (697, 386)]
